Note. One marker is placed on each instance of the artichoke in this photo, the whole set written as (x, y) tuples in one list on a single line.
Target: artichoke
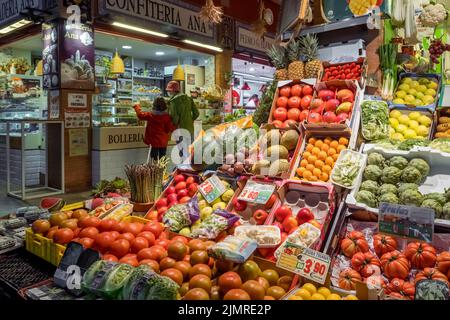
[(369, 185), (446, 211), (388, 197), (411, 175), (405, 186), (433, 204), (420, 165), (376, 159), (367, 198), (372, 172), (398, 162), (391, 175), (447, 194), (387, 188), (439, 197), (411, 198)]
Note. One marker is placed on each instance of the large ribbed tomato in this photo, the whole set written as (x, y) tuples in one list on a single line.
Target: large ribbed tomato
[(365, 263), (421, 255), (383, 244), (347, 279), (400, 289), (443, 263), (353, 243), (395, 265), (431, 274)]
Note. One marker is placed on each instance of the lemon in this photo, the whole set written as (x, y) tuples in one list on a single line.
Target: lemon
[(405, 87), (410, 134), (317, 296), (324, 291), (303, 293), (394, 123), (413, 124), (422, 88), (395, 114), (398, 101), (430, 92), (409, 99), (412, 92), (414, 115), (407, 80), (400, 94), (424, 120), (397, 136), (351, 297), (295, 298), (414, 84), (404, 119), (334, 296), (219, 206), (310, 287), (401, 128), (421, 131), (427, 99), (418, 102), (432, 85)]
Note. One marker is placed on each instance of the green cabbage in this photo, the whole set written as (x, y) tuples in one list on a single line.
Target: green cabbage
[(370, 185), (398, 162), (376, 159), (420, 165), (433, 204), (367, 198), (391, 175), (439, 197), (388, 197), (387, 188), (411, 198), (372, 172), (411, 175)]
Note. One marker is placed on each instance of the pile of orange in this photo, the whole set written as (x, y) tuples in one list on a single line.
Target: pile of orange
[(319, 158)]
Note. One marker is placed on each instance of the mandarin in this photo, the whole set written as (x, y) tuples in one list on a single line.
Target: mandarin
[(340, 148), (335, 157), (329, 161), (318, 144), (307, 174), (315, 151), (309, 147), (325, 147), (324, 177), (319, 164), (310, 167), (334, 144), (332, 152), (317, 172), (312, 140), (304, 163), (327, 169), (343, 141), (312, 159), (327, 140), (322, 155)]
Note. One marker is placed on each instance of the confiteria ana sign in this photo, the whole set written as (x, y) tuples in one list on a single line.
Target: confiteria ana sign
[(10, 9), (164, 12)]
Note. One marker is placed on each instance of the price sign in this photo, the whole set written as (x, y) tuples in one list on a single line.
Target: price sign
[(212, 189), (304, 261), (256, 192)]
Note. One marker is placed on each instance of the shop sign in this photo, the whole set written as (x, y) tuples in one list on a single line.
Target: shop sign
[(162, 12), (305, 262), (255, 192), (50, 55), (212, 189), (406, 222), (118, 138), (247, 40), (77, 100), (10, 9)]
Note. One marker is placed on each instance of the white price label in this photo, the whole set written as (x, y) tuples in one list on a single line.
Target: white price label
[(257, 192)]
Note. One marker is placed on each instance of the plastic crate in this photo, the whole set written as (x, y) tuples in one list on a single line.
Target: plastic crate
[(43, 247)]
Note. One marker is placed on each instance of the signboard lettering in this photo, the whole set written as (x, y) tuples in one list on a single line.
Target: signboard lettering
[(248, 39)]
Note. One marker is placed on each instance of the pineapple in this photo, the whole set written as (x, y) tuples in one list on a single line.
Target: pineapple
[(309, 49), (296, 67), (278, 57)]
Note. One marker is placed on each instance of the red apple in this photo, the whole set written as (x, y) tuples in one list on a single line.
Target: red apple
[(266, 252), (329, 117), (178, 178), (332, 104), (190, 181), (304, 215), (304, 115), (185, 199), (296, 90), (260, 216), (280, 114), (341, 117), (170, 190), (182, 193), (317, 103), (284, 235), (305, 103), (282, 213), (239, 205), (314, 117), (278, 224), (161, 203), (307, 90), (152, 215), (162, 210), (326, 94), (294, 102), (192, 189), (290, 224), (233, 227), (171, 198), (180, 186)]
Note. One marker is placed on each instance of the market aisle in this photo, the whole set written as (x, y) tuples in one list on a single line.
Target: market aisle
[(8, 204)]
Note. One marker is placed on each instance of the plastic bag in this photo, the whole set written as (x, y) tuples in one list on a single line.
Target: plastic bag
[(212, 226), (182, 215), (95, 277), (235, 249), (137, 286)]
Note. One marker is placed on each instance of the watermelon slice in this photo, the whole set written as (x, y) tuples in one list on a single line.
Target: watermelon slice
[(52, 204)]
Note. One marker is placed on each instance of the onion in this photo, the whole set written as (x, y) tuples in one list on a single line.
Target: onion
[(239, 167), (240, 156)]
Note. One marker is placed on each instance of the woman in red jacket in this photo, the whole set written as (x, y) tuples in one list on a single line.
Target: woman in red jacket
[(159, 127)]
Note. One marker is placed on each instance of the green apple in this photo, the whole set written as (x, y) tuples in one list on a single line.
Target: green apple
[(200, 197), (218, 200), (185, 232), (196, 225), (206, 212), (226, 197), (226, 184), (202, 204), (219, 206)]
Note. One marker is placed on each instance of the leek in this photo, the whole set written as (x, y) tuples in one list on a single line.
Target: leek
[(388, 59)]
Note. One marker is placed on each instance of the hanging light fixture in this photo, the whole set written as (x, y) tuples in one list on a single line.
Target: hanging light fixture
[(178, 73), (117, 65), (246, 86), (39, 71)]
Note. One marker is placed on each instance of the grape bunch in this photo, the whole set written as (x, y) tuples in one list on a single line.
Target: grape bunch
[(436, 50)]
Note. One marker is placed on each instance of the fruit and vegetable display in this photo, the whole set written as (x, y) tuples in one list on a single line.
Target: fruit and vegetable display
[(309, 291), (347, 168), (406, 124), (416, 91), (346, 71), (375, 120), (443, 127)]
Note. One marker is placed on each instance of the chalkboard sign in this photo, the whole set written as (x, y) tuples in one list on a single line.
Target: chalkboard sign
[(290, 11)]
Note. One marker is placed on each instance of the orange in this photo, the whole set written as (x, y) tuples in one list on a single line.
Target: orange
[(304, 163), (310, 167), (324, 177), (312, 140), (306, 155), (332, 152), (318, 144), (307, 174), (313, 178), (329, 161), (334, 144), (322, 155), (309, 147), (315, 151), (340, 148), (317, 172), (327, 140), (327, 168), (312, 159), (343, 141), (335, 157), (300, 171), (325, 147), (319, 164)]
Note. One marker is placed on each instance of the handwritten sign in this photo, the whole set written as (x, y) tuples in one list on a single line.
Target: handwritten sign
[(255, 192), (308, 263), (212, 189)]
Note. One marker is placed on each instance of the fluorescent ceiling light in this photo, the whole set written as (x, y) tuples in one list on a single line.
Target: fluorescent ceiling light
[(127, 47), (160, 53), (252, 69), (244, 74), (127, 26), (207, 46), (15, 26)]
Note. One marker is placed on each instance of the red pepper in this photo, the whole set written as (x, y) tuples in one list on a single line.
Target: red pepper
[(334, 73), (347, 71), (349, 76)]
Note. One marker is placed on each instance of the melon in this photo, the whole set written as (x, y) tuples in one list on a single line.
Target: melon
[(52, 204), (278, 167), (261, 166), (278, 151), (290, 139)]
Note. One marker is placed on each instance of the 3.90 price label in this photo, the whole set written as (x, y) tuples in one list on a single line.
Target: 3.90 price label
[(304, 261)]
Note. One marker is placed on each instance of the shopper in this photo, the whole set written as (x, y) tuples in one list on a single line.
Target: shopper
[(159, 127), (183, 111)]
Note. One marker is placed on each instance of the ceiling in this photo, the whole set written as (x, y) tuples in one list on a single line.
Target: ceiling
[(255, 69)]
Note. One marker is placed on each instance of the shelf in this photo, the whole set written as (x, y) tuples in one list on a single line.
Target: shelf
[(125, 79), (148, 78), (124, 91), (125, 97)]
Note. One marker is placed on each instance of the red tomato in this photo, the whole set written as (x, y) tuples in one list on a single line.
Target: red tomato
[(51, 232), (106, 225), (110, 257), (296, 90), (285, 91), (103, 241), (180, 186), (152, 263), (114, 234), (306, 102), (282, 102), (127, 236), (130, 255), (280, 114), (87, 242), (89, 232), (154, 227), (149, 236), (138, 244), (90, 222), (180, 238), (294, 102), (154, 253), (76, 232), (163, 236), (163, 210), (134, 228), (118, 226), (307, 91), (129, 260), (63, 236), (120, 247), (293, 114), (163, 243)]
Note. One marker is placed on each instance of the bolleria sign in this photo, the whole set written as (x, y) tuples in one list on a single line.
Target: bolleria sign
[(162, 12)]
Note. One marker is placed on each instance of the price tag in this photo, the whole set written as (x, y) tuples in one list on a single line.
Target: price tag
[(304, 261), (212, 189), (256, 192), (406, 222)]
